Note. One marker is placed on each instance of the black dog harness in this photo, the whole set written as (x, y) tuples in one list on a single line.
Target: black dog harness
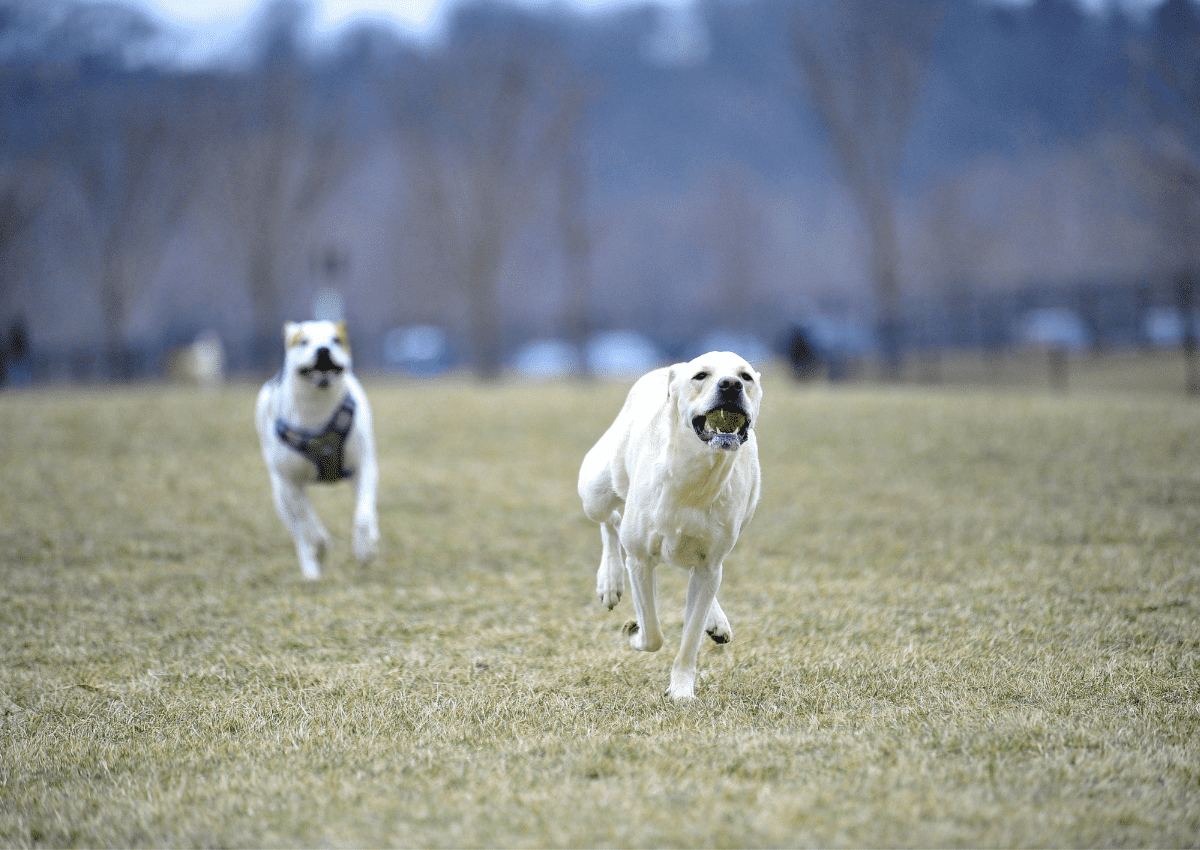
[(325, 448)]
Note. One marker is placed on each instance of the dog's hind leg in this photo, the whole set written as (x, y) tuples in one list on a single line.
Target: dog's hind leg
[(602, 505), (701, 597), (610, 578)]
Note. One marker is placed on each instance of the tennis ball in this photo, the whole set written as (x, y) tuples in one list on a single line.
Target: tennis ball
[(725, 421)]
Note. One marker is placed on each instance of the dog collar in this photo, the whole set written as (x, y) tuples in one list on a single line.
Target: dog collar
[(325, 448)]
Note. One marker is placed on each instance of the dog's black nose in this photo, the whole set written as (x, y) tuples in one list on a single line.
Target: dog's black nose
[(729, 384), (324, 361)]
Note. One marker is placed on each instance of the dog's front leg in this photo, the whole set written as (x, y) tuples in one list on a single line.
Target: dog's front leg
[(298, 514), (701, 592), (646, 633), (366, 515)]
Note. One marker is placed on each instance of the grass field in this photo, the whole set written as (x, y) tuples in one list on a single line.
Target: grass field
[(961, 618)]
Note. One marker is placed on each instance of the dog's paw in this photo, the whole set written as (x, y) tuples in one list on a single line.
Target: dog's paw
[(609, 584), (632, 631), (366, 542), (720, 634), (716, 625), (683, 685), (638, 639), (312, 557), (680, 695)]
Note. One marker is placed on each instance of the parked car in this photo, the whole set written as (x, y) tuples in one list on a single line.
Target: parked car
[(752, 349), (422, 350), (1163, 327), (547, 358), (1053, 327), (622, 354)]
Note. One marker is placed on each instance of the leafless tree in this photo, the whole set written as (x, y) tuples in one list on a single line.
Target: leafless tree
[(17, 212), (280, 154), (405, 86), (20, 202), (1168, 75), (736, 226), (122, 138), (567, 145), (137, 189), (864, 64), (488, 140), (127, 147)]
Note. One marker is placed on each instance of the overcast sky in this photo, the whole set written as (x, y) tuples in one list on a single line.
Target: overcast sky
[(413, 15), (209, 24)]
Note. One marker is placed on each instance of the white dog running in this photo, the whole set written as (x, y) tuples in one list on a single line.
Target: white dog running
[(314, 424), (676, 478)]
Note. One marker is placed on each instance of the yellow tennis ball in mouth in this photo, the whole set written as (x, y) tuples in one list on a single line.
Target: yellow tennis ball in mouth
[(725, 421)]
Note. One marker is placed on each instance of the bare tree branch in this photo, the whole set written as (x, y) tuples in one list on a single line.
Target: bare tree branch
[(864, 63), (487, 146)]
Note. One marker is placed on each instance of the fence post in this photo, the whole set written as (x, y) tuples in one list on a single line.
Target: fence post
[(1058, 368), (1185, 300)]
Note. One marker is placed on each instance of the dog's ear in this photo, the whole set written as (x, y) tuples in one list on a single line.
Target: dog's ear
[(291, 334), (670, 381), (343, 337)]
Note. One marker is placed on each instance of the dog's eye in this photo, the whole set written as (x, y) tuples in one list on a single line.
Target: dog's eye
[(746, 377), (699, 376)]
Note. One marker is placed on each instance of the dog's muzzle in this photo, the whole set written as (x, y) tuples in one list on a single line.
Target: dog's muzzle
[(726, 426), (322, 369)]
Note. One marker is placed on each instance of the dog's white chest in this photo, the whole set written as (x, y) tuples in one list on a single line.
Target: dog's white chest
[(686, 537), (684, 550)]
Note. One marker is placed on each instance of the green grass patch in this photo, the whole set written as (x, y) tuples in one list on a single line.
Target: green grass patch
[(960, 619)]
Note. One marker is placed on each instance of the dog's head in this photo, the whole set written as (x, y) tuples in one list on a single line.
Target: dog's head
[(717, 396), (317, 352)]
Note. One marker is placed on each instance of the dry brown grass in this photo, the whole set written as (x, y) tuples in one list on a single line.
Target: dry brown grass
[(960, 619)]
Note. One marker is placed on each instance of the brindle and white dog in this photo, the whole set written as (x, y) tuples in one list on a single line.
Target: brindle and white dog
[(676, 479), (314, 424)]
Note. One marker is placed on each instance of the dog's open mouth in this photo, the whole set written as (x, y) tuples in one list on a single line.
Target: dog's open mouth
[(321, 377), (724, 427)]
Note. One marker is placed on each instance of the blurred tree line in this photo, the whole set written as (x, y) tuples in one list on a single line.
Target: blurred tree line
[(536, 173)]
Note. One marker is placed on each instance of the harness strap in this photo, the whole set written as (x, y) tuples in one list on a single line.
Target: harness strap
[(325, 448)]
